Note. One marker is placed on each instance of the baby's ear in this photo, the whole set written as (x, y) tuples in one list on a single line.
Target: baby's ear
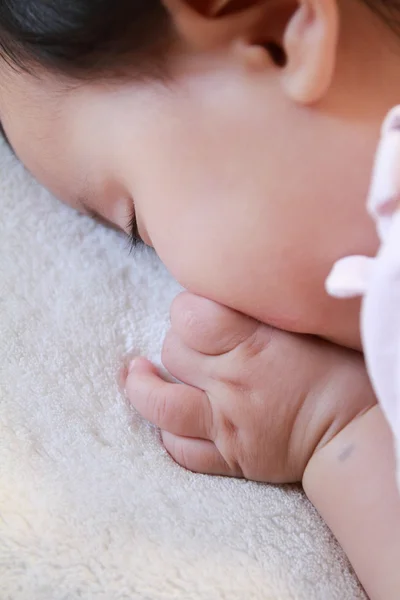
[(203, 25), (299, 37), (310, 45), (213, 8)]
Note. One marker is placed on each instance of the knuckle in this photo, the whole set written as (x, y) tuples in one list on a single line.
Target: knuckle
[(236, 381), (179, 308), (167, 349), (171, 354), (158, 400), (241, 451), (229, 428), (231, 446), (189, 321), (254, 346), (235, 466), (177, 450), (134, 387)]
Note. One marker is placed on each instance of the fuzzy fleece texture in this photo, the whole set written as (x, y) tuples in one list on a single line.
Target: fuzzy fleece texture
[(91, 506)]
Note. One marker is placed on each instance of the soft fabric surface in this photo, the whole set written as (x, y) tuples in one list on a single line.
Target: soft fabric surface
[(91, 506)]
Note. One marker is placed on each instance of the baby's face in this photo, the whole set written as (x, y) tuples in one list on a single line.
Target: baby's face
[(247, 197)]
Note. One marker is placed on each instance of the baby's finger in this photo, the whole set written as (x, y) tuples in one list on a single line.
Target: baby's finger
[(187, 365), (199, 456), (177, 408), (208, 327)]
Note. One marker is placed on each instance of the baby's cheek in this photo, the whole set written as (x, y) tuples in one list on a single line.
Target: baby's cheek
[(237, 281), (288, 306), (259, 277)]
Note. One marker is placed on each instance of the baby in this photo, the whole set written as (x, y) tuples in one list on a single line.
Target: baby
[(237, 138)]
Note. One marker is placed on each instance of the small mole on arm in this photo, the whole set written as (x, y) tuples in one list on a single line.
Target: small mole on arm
[(346, 453)]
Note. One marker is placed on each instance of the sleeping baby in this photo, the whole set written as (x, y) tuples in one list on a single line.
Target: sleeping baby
[(237, 138)]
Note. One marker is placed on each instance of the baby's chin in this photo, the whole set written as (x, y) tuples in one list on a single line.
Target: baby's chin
[(337, 321), (334, 320), (341, 323), (293, 302)]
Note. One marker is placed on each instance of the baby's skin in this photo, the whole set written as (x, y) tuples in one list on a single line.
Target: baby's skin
[(248, 175), (272, 406), (256, 402)]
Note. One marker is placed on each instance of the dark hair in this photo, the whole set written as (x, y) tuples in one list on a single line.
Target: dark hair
[(388, 11), (84, 37)]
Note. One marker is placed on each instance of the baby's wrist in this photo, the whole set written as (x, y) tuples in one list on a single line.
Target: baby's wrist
[(333, 452), (351, 482), (339, 396)]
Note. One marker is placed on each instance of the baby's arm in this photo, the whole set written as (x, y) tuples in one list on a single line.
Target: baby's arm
[(278, 407), (351, 482)]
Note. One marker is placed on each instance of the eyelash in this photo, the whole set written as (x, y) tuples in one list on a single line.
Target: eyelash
[(134, 236)]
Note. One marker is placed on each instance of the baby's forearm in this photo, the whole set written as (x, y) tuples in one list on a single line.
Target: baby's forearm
[(351, 482)]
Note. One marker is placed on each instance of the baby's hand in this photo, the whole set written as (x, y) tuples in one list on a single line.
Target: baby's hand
[(255, 402)]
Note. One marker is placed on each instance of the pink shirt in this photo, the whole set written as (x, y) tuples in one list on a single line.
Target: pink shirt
[(378, 280)]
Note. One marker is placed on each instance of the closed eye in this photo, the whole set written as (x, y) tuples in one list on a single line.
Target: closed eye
[(4, 135), (133, 229), (93, 214), (132, 226)]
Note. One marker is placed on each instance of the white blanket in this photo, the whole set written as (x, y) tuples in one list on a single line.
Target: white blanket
[(91, 506)]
